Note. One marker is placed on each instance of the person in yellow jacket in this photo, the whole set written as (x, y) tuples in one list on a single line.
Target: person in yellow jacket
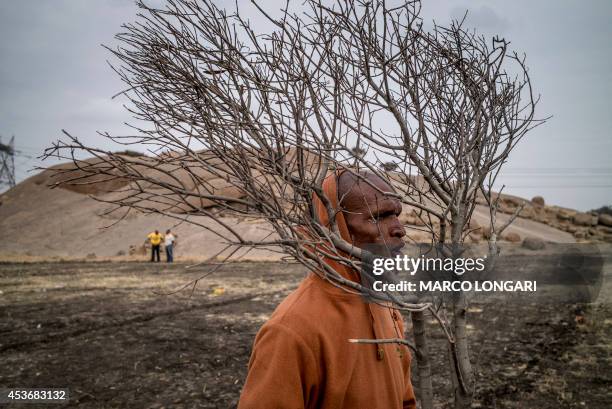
[(155, 239)]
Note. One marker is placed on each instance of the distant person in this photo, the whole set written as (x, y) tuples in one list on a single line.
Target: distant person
[(155, 239), (169, 240)]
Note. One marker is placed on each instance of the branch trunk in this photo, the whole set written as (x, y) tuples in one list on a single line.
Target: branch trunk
[(463, 378), (423, 364)]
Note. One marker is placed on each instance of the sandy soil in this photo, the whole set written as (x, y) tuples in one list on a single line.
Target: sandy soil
[(105, 331)]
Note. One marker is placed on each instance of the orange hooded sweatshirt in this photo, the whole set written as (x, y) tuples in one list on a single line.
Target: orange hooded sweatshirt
[(302, 358)]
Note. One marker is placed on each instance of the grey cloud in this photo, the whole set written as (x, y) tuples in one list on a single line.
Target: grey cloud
[(54, 75), (483, 17)]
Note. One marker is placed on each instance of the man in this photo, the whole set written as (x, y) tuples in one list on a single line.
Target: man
[(169, 240), (301, 357), (155, 239)]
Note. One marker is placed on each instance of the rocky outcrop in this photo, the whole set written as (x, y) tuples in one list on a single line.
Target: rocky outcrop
[(533, 243), (538, 201), (589, 226), (605, 219), (584, 219), (511, 237)]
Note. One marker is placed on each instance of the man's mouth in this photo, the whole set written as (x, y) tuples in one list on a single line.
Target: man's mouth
[(397, 249)]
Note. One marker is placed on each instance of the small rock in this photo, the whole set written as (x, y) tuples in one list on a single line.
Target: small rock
[(538, 201), (473, 225), (583, 219), (407, 219), (137, 250), (474, 238), (419, 221), (476, 230), (604, 229), (580, 234), (512, 201), (512, 237), (533, 243), (528, 212), (564, 214), (605, 219), (486, 232)]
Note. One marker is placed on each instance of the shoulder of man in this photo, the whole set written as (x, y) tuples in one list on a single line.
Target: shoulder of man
[(283, 369), (298, 313), (311, 312)]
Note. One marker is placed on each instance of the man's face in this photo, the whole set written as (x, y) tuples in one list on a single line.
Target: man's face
[(371, 216)]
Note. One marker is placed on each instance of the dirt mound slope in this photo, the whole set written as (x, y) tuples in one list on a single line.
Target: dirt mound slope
[(65, 222), (39, 222), (65, 173)]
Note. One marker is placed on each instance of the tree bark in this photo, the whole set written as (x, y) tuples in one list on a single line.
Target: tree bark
[(464, 376), (423, 364)]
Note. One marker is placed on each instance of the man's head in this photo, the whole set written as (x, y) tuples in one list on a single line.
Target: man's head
[(371, 216), (156, 231), (168, 231)]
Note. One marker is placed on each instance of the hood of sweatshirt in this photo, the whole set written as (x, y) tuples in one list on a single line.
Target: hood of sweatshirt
[(330, 189)]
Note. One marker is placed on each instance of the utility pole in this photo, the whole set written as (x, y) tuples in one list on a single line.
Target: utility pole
[(7, 163)]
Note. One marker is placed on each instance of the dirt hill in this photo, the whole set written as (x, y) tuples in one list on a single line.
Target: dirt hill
[(39, 222)]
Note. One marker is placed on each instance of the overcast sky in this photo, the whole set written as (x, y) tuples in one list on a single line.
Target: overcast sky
[(53, 75)]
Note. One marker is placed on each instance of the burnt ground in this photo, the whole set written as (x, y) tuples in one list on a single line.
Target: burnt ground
[(104, 331)]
